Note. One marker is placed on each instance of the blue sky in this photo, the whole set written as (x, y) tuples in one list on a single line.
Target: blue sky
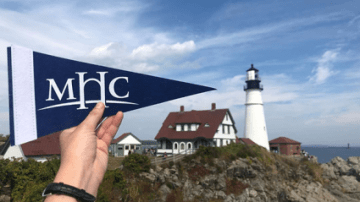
[(307, 53)]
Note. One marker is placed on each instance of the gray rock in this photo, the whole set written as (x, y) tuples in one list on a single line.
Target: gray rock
[(354, 160), (166, 172), (253, 193), (152, 171), (164, 191), (220, 194), (4, 198), (208, 194), (161, 178), (349, 184), (328, 171), (158, 169), (344, 169), (148, 176)]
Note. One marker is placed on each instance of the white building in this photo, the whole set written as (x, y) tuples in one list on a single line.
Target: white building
[(39, 149), (123, 144), (186, 130), (255, 126)]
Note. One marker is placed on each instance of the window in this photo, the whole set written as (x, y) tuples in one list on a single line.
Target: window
[(223, 129), (189, 145), (120, 148), (132, 146), (207, 125), (137, 148), (182, 146), (228, 129), (176, 146), (170, 126), (127, 147)]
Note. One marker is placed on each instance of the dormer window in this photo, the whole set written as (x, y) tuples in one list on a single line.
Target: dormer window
[(207, 125), (187, 126), (170, 126)]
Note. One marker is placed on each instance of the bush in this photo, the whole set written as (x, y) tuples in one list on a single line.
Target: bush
[(208, 152), (198, 172), (234, 186), (171, 163), (28, 178), (136, 163), (175, 196), (245, 151), (113, 185)]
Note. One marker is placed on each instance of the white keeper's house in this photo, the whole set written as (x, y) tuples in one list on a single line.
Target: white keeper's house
[(39, 149), (187, 130)]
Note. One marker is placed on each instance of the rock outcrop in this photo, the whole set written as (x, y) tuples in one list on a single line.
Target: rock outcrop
[(273, 182)]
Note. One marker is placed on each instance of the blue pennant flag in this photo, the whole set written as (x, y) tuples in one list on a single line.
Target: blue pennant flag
[(49, 94)]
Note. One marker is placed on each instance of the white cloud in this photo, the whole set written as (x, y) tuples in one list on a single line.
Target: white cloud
[(157, 51), (145, 58), (259, 32), (323, 70)]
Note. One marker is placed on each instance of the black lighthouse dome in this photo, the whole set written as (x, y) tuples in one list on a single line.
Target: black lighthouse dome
[(252, 79)]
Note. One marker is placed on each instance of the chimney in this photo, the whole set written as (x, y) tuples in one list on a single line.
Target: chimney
[(213, 106), (182, 108)]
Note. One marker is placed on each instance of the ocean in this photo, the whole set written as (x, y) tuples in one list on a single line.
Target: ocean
[(325, 154)]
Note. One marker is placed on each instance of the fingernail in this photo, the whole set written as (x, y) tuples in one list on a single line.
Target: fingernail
[(99, 105)]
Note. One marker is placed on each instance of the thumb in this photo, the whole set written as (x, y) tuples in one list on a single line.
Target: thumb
[(94, 117)]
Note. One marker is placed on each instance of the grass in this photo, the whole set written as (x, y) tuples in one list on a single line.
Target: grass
[(114, 162)]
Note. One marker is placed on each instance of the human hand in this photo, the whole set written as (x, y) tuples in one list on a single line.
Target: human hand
[(84, 151)]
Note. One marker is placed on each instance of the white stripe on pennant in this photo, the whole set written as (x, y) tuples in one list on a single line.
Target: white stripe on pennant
[(23, 95)]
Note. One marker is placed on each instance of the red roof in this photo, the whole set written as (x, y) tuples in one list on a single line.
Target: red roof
[(247, 141), (47, 145), (283, 140), (120, 138), (212, 117), (237, 140)]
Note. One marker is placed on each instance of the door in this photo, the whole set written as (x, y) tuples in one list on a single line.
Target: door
[(126, 149)]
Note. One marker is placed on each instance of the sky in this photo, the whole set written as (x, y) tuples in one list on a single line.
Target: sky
[(307, 53)]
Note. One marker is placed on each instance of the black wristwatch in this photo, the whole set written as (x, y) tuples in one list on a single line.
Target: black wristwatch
[(61, 188)]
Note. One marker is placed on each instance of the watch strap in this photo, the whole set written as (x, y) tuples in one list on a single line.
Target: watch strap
[(61, 188)]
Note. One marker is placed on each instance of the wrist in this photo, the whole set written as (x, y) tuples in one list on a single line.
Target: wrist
[(73, 175)]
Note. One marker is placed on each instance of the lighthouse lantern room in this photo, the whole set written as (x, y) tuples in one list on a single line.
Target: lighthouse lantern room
[(255, 126)]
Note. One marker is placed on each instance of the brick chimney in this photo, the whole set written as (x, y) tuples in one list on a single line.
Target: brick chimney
[(213, 106), (182, 108)]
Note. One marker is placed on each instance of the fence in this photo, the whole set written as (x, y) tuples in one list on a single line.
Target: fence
[(158, 160)]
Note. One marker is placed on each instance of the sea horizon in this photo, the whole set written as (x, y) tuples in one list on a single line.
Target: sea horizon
[(325, 153)]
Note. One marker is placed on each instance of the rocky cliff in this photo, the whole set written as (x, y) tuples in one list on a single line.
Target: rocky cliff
[(286, 179)]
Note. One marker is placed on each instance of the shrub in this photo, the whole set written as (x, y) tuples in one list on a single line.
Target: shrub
[(113, 184), (245, 151), (171, 163), (136, 163), (198, 172), (175, 195), (314, 170), (28, 178), (208, 152), (180, 169), (235, 187)]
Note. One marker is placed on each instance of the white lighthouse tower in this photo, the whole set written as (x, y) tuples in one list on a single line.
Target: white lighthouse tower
[(255, 126)]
